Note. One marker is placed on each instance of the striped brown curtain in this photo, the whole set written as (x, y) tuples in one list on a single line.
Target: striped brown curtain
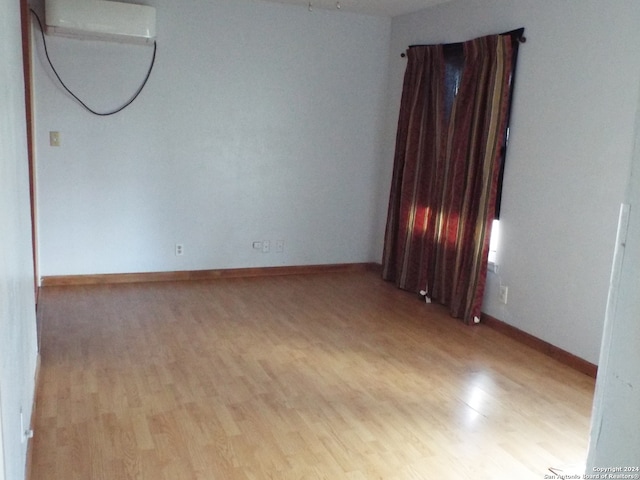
[(446, 170)]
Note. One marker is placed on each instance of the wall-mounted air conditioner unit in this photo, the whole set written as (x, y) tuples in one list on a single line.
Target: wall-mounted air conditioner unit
[(101, 20)]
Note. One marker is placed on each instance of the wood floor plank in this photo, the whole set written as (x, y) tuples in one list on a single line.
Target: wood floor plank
[(335, 375)]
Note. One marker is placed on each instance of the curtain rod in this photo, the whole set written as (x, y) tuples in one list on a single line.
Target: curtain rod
[(518, 34)]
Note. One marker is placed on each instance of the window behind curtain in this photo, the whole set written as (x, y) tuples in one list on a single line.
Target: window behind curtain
[(454, 62)]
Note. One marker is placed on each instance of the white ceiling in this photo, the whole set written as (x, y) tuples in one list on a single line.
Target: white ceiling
[(373, 7)]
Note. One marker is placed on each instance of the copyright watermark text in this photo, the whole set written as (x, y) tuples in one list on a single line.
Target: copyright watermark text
[(598, 473)]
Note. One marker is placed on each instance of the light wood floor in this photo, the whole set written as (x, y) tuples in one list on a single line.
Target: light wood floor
[(328, 376)]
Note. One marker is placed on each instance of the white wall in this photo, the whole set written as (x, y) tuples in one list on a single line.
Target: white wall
[(571, 141), (17, 305), (615, 424), (260, 122)]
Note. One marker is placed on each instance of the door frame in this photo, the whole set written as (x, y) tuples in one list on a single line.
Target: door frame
[(25, 17)]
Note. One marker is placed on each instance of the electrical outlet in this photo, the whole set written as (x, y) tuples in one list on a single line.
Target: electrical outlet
[(504, 292), (279, 246), (266, 246), (25, 432), (257, 245), (179, 249)]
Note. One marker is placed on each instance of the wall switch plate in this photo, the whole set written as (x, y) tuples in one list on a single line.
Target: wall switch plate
[(54, 139)]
